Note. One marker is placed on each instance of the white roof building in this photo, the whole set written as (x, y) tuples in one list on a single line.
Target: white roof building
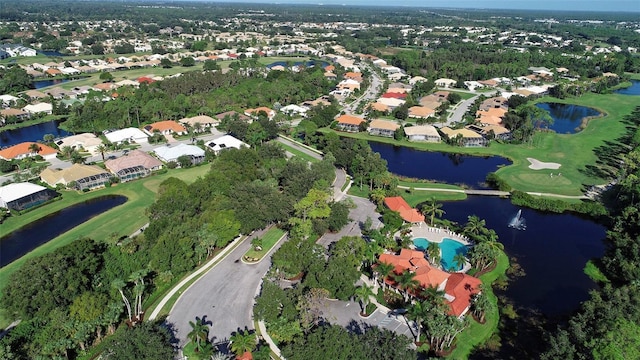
[(226, 142), (172, 153), (12, 192), (6, 99), (86, 141), (127, 134), (391, 102), (38, 108), (294, 109), (446, 82)]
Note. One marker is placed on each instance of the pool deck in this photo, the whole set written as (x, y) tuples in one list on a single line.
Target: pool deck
[(435, 234)]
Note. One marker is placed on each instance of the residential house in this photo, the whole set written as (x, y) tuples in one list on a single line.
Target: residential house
[(19, 114), (458, 288), (232, 114), (204, 121), (426, 133), (491, 116), (253, 113), (133, 165), (349, 123), (446, 83), (166, 127), (491, 132), (168, 153), (8, 100), (128, 135), (464, 137), (407, 213), (20, 196), (392, 103), (225, 142), (85, 141), (35, 95), (25, 150), (497, 102), (376, 106), (421, 112), (294, 110), (78, 176), (39, 108), (348, 84), (383, 127)]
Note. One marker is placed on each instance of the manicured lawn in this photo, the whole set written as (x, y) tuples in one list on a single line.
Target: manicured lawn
[(573, 151), (476, 334), (269, 239), (123, 219)]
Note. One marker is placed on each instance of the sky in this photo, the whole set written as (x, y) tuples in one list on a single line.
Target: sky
[(575, 5)]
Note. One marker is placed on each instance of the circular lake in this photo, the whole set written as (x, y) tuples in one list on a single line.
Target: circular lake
[(27, 238), (634, 89), (438, 166), (31, 133), (567, 118)]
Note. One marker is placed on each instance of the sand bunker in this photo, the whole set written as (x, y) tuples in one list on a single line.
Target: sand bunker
[(539, 165)]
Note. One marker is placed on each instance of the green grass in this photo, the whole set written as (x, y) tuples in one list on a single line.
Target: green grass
[(594, 273), (573, 151), (477, 334), (269, 239), (126, 218), (299, 153), (416, 197)]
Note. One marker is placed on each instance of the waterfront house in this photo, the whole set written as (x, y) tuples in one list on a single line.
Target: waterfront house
[(78, 176), (20, 196), (349, 123), (25, 150), (426, 133), (385, 128), (464, 137), (407, 213), (39, 108)]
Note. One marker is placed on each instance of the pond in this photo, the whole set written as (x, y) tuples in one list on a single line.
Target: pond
[(552, 251), (567, 118), (438, 166), (20, 242), (31, 133), (634, 89), (39, 84)]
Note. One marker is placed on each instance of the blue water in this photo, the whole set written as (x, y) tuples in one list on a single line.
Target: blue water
[(567, 118), (449, 248), (298, 63), (634, 89), (437, 166), (39, 84), (20, 242), (31, 133)]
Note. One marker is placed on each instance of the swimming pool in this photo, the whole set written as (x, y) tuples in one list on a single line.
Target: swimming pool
[(449, 249)]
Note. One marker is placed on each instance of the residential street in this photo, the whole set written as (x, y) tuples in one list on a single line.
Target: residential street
[(224, 296)]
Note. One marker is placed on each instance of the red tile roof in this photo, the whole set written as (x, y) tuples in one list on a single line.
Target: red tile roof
[(394, 95), (351, 120), (407, 213), (23, 148), (166, 125)]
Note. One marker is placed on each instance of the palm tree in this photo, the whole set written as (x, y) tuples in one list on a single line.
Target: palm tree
[(433, 251), (66, 151), (242, 342), (417, 312), (474, 227), (35, 148), (384, 269), (459, 260), (199, 332), (102, 149), (363, 294), (432, 209), (377, 195), (432, 295), (479, 305), (406, 282)]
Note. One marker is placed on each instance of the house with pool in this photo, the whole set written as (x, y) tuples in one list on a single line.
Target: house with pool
[(458, 287)]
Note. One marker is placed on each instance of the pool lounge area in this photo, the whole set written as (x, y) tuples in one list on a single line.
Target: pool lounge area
[(450, 244)]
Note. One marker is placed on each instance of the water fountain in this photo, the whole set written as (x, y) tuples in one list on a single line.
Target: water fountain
[(518, 222)]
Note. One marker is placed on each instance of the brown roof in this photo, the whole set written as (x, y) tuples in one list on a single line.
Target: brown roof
[(232, 113), (384, 124), (165, 126), (73, 173), (420, 111), (12, 112)]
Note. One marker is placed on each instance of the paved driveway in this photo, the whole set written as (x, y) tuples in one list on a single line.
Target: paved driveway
[(358, 215), (347, 314)]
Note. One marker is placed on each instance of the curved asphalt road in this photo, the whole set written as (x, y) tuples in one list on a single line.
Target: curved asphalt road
[(224, 296)]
